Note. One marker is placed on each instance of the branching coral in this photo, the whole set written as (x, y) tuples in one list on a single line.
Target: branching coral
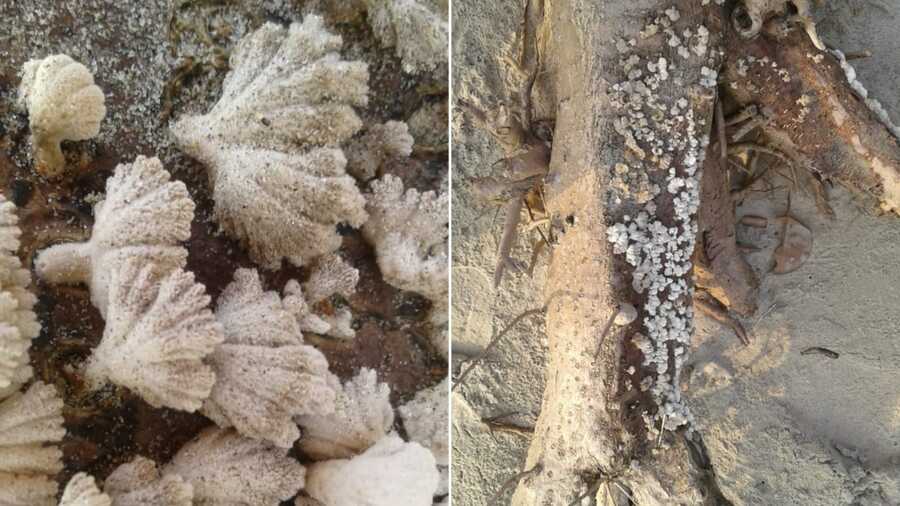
[(63, 104), (28, 423), (366, 154), (157, 334), (18, 323), (362, 415), (409, 231), (217, 465), (279, 183), (329, 276), (139, 483), (417, 28), (390, 472), (265, 375), (82, 491), (144, 214), (426, 419)]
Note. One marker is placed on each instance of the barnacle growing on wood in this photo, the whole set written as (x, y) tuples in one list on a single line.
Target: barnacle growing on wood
[(30, 423), (269, 144), (139, 483), (391, 472), (330, 275), (18, 323), (218, 465), (63, 104), (362, 415), (144, 214), (409, 232), (82, 491), (418, 30), (265, 375), (158, 333)]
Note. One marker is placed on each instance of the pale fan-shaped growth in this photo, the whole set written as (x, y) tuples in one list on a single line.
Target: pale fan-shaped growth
[(157, 334), (144, 214), (18, 323), (30, 423), (390, 473), (139, 483), (63, 104), (270, 143), (226, 468), (82, 491), (362, 415), (378, 144), (426, 419), (418, 30), (330, 275), (265, 375), (409, 232)]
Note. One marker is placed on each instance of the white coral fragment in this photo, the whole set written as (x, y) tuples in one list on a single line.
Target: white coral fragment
[(139, 483), (157, 334), (82, 491), (409, 232), (362, 415), (389, 473), (269, 144), (380, 143), (63, 104), (228, 469), (144, 214), (418, 30), (29, 423), (426, 419), (265, 375), (330, 275), (18, 323)]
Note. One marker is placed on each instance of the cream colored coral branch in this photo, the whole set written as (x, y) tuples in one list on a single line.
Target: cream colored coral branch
[(144, 214), (30, 423), (82, 491), (330, 275), (157, 335), (226, 468), (270, 143), (265, 375), (418, 30), (139, 483), (63, 104)]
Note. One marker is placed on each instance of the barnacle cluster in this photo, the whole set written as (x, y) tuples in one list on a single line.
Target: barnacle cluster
[(666, 145)]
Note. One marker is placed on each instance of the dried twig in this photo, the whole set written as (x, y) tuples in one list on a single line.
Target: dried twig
[(513, 481)]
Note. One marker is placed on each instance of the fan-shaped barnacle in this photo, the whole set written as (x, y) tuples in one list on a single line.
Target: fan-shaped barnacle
[(409, 232), (63, 104), (227, 468), (158, 332), (330, 275), (18, 323), (30, 423), (426, 418), (362, 415), (378, 144), (265, 375), (390, 472), (279, 183), (139, 483), (144, 214), (416, 28), (82, 491)]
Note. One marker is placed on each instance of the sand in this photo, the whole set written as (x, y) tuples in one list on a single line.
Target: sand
[(781, 427)]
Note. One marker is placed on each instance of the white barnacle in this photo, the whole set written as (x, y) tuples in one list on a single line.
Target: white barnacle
[(158, 334), (144, 214), (63, 104), (270, 143), (265, 374), (31, 424), (391, 472)]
